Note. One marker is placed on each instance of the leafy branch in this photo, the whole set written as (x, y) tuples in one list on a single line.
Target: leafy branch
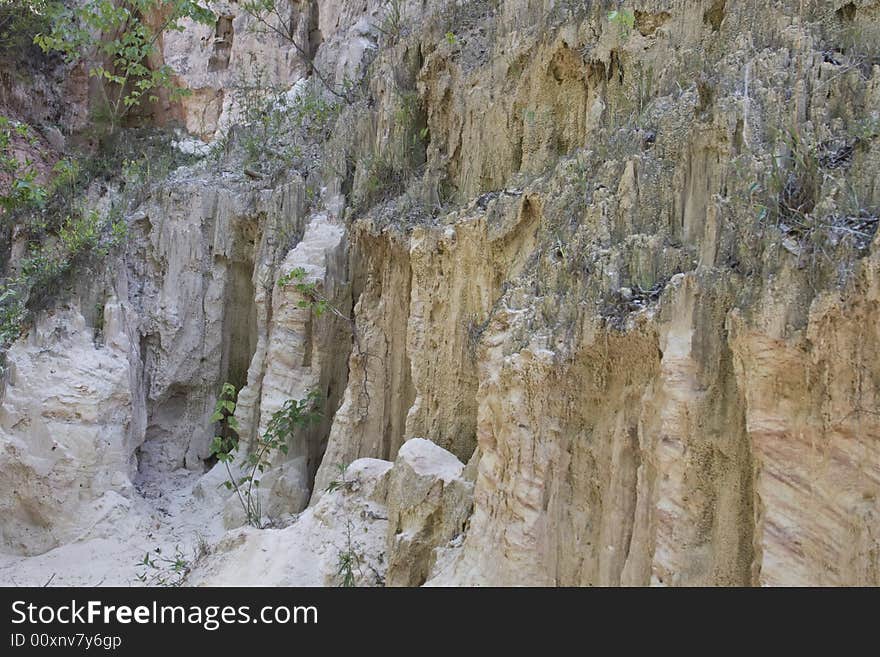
[(313, 298), (348, 561), (23, 188), (292, 415), (268, 16), (342, 482), (624, 19), (118, 33), (161, 570)]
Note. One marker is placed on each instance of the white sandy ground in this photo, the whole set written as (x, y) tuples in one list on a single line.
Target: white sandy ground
[(177, 511), (163, 514), (184, 510), (307, 552)]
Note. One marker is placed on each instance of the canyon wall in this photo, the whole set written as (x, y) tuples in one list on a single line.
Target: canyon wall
[(605, 293)]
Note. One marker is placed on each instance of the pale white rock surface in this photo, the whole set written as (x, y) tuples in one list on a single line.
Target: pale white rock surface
[(349, 520), (237, 52), (389, 516), (66, 441), (297, 353), (163, 518), (428, 505)]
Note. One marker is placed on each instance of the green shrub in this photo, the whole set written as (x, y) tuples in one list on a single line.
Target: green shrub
[(48, 262), (624, 19), (277, 131), (392, 20), (225, 446), (124, 41), (20, 22), (22, 190), (348, 561), (158, 569)]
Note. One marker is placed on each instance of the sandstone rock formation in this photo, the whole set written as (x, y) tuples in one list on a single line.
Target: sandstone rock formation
[(629, 276), (350, 521)]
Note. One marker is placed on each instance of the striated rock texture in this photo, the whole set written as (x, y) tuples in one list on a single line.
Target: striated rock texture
[(65, 432), (634, 343), (628, 274), (90, 408), (428, 502), (378, 523)]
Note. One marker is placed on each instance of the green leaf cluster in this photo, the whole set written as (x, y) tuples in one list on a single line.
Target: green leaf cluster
[(312, 298), (158, 569), (292, 415), (20, 21), (117, 41), (624, 19), (79, 236), (23, 189)]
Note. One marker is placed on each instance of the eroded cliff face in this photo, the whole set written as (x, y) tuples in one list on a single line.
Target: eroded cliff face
[(607, 306)]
